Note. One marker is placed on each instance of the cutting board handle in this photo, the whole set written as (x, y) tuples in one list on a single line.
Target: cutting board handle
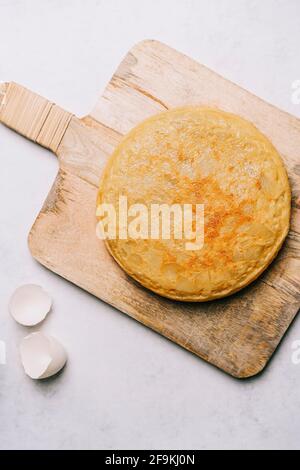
[(33, 116)]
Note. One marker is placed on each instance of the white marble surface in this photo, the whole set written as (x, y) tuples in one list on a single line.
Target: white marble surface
[(126, 387)]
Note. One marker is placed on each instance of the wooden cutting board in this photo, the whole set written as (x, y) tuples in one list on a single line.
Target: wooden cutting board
[(238, 334)]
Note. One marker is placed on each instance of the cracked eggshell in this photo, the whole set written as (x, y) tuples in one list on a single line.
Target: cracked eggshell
[(42, 356), (30, 304)]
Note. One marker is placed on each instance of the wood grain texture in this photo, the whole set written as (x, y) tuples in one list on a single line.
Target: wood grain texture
[(238, 334), (33, 116)]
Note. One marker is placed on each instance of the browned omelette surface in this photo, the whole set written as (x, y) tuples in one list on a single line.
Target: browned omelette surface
[(201, 156)]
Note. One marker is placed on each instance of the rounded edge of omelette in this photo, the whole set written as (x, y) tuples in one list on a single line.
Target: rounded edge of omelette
[(177, 294)]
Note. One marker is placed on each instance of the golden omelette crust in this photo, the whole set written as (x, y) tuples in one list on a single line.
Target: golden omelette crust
[(201, 156)]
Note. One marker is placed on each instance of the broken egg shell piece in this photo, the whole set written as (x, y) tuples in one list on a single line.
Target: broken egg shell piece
[(42, 356), (29, 305)]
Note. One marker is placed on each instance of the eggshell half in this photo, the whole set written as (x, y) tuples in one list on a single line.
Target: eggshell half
[(30, 304), (42, 356)]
